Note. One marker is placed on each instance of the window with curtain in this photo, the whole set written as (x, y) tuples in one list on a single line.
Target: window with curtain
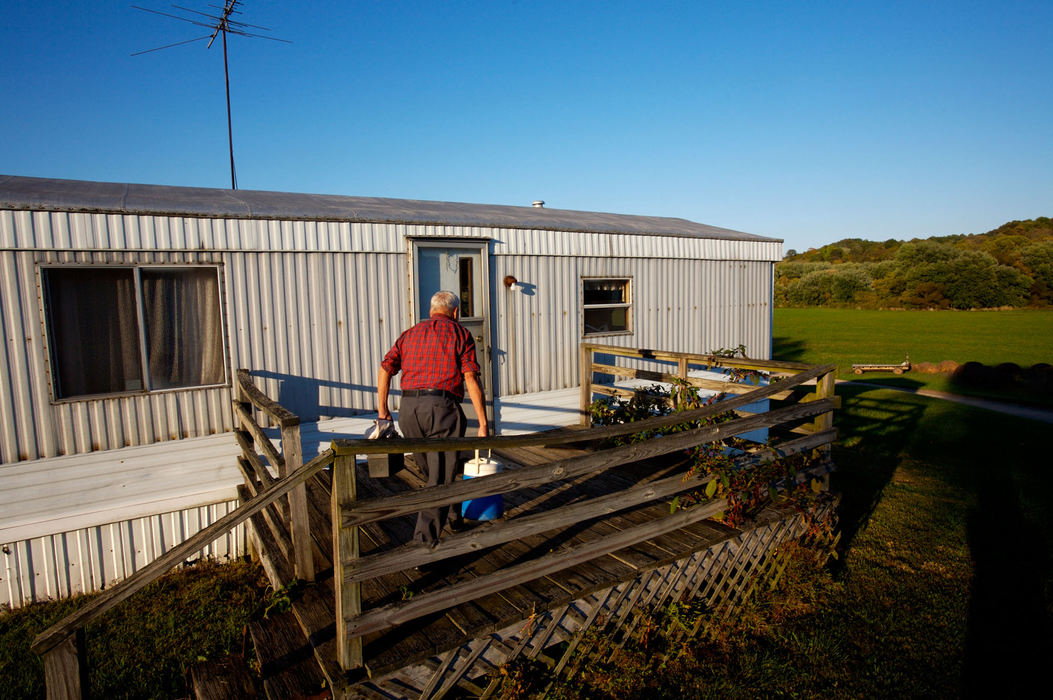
[(606, 306), (118, 330)]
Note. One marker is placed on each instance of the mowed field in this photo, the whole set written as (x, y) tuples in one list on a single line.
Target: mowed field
[(848, 336)]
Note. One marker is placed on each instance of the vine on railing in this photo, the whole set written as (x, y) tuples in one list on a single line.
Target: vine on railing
[(747, 489)]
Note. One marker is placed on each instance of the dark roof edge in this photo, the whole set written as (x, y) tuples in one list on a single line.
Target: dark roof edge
[(31, 193)]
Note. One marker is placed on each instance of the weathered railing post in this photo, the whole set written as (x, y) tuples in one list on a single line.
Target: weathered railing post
[(586, 384), (299, 522), (825, 387), (301, 556), (65, 668), (345, 548)]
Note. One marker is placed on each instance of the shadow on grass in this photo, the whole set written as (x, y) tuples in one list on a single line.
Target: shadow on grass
[(788, 349), (1008, 645), (890, 381), (1003, 463), (999, 466), (874, 434)]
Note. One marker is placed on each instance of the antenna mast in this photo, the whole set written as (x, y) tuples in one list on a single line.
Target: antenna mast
[(222, 27), (217, 23)]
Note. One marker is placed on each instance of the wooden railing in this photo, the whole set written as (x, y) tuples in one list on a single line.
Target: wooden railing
[(287, 519), (807, 419), (63, 644), (662, 361)]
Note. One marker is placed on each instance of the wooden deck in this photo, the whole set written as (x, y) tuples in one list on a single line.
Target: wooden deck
[(588, 542), (391, 650)]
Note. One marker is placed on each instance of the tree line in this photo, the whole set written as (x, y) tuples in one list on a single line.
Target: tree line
[(1011, 266)]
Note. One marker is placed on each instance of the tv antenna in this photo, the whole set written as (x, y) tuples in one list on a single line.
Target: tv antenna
[(220, 23)]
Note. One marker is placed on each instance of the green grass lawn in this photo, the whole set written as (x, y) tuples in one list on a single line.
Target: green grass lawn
[(847, 336)]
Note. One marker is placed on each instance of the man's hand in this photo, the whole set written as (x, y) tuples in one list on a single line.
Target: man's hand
[(383, 387), (475, 393)]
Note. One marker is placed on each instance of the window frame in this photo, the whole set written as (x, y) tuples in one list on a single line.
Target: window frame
[(627, 304), (47, 322)]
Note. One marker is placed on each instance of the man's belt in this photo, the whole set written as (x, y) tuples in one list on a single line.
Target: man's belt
[(432, 392)]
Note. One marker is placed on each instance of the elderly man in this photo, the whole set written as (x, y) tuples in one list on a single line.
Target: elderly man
[(437, 360)]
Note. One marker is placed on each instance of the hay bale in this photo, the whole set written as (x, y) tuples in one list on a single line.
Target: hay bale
[(974, 374), (1009, 375), (1039, 378)]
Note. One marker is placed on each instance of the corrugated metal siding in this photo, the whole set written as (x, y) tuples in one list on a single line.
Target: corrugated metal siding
[(312, 306), (314, 327), (83, 231), (88, 560), (33, 427), (678, 305)]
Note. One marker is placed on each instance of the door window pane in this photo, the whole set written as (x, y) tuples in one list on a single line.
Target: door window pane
[(452, 269)]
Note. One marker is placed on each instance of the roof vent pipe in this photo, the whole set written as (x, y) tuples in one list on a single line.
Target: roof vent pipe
[(538, 203)]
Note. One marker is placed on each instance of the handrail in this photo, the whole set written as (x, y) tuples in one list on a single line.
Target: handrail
[(54, 635), (402, 445), (416, 553), (283, 416), (408, 502), (290, 459), (775, 366)]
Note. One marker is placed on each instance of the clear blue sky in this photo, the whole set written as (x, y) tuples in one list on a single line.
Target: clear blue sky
[(808, 121)]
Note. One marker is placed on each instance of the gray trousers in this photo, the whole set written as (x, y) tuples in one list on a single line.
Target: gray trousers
[(434, 417)]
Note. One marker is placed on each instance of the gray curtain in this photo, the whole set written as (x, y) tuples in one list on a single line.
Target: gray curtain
[(95, 332), (184, 337)]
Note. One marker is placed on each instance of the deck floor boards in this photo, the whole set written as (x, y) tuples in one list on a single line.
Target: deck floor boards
[(391, 649)]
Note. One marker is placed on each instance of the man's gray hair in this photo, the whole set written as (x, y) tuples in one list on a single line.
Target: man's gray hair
[(444, 301)]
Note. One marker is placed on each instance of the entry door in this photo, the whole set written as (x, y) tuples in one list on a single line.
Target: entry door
[(460, 267)]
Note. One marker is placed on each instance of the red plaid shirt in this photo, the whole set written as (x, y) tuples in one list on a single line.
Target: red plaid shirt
[(434, 354)]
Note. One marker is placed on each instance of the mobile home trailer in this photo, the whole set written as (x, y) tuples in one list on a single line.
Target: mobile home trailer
[(126, 310)]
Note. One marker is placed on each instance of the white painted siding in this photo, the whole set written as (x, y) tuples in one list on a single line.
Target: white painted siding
[(36, 230), (87, 560)]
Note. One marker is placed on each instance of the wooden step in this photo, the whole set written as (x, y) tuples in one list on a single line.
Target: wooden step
[(287, 662), (228, 678)]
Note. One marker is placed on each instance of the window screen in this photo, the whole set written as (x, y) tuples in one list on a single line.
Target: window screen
[(119, 330), (606, 306)]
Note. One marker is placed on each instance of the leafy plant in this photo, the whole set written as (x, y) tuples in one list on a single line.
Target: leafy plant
[(746, 490)]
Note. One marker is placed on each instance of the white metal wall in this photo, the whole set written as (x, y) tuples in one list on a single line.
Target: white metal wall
[(678, 305), (88, 560), (312, 306)]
